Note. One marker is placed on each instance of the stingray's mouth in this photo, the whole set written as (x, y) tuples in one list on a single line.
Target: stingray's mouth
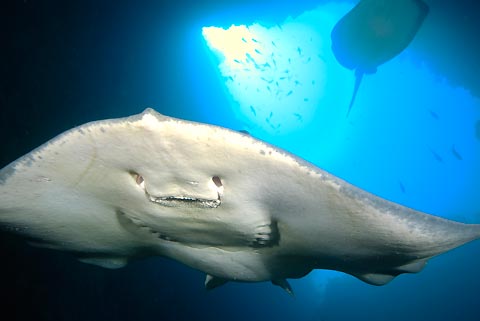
[(182, 201)]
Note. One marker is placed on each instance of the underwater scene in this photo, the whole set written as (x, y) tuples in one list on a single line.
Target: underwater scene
[(300, 124)]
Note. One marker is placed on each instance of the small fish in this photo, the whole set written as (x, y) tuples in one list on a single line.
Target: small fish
[(273, 44), (299, 50), (298, 116), (243, 39), (243, 131), (456, 153), (253, 110), (258, 51), (255, 40), (322, 58), (306, 99), (267, 80), (276, 127), (433, 114), (438, 158), (237, 61), (289, 93), (402, 187)]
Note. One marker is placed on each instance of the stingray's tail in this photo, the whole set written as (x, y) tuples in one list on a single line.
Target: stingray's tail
[(358, 79)]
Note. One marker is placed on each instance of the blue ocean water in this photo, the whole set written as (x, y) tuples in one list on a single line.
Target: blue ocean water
[(412, 137)]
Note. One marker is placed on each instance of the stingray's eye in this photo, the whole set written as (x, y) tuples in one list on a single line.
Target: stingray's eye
[(217, 181)]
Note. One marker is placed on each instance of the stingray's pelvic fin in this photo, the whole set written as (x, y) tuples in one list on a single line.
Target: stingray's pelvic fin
[(212, 282), (358, 79), (283, 283)]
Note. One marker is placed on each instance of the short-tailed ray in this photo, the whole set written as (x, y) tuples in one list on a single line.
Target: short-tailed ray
[(216, 200), (374, 32)]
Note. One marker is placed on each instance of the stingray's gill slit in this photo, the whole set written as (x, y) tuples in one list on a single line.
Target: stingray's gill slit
[(182, 200), (134, 224)]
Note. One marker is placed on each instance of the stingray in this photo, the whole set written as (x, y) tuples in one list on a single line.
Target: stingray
[(217, 200), (374, 32)]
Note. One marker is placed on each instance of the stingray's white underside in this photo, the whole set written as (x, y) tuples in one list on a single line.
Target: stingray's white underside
[(217, 200)]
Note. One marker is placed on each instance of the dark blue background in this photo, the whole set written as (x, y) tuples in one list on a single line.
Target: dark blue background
[(64, 63)]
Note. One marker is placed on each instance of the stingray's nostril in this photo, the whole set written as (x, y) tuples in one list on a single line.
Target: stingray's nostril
[(139, 180), (217, 181)]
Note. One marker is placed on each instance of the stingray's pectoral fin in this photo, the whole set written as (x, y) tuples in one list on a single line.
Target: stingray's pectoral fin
[(109, 263), (284, 285), (375, 278), (212, 282), (384, 277), (412, 267)]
